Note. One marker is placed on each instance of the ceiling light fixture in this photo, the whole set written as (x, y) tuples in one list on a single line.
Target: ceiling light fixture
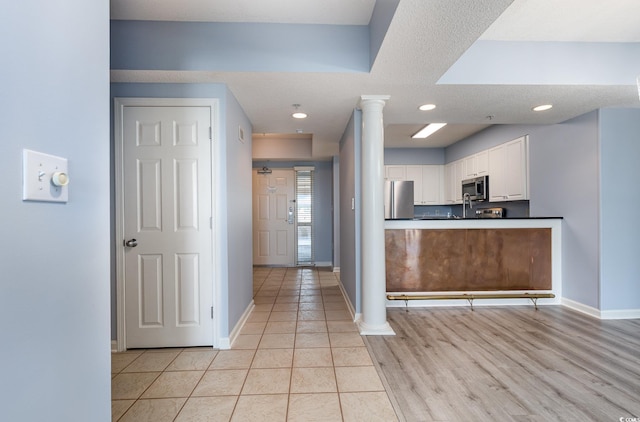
[(543, 107), (298, 114), (427, 107), (428, 130)]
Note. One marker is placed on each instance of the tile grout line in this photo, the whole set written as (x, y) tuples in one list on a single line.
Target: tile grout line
[(150, 384), (323, 286)]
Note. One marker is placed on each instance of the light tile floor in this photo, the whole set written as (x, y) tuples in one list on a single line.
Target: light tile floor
[(299, 357)]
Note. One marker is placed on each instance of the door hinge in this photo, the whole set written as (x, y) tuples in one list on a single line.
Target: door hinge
[(212, 312), (210, 133)]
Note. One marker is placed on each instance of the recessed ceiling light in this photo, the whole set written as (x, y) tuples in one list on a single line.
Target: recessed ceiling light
[(297, 114), (542, 107), (427, 107), (428, 130)]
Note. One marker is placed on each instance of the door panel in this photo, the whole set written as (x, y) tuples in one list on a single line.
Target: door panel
[(273, 230), (167, 209), (149, 195), (150, 311), (188, 289)]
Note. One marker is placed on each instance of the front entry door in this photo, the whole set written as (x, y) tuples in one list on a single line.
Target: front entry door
[(274, 218), (167, 209)]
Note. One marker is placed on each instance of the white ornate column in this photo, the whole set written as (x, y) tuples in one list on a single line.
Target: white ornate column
[(374, 309)]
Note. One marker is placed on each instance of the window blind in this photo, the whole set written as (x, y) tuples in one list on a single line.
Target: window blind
[(304, 215)]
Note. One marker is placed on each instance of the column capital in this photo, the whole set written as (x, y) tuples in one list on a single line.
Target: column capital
[(374, 98)]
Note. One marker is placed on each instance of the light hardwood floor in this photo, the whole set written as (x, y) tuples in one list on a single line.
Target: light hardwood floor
[(509, 364)]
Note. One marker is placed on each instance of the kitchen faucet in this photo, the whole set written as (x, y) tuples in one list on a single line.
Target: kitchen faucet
[(466, 197)]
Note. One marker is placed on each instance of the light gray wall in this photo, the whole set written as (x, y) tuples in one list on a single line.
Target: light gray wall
[(413, 156), (564, 172), (54, 258), (239, 218), (488, 138), (322, 205), (323, 209), (619, 202), (225, 46), (336, 212), (289, 149), (350, 184), (232, 193)]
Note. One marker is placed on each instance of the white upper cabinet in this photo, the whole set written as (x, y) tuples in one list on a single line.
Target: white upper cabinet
[(507, 166), (476, 165), (427, 184), (395, 172), (454, 175), (432, 185), (482, 163), (509, 171), (415, 173)]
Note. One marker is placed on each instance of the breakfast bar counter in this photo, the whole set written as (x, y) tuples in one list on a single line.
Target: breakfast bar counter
[(473, 256)]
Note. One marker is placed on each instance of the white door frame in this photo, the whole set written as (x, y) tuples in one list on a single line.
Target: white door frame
[(119, 107)]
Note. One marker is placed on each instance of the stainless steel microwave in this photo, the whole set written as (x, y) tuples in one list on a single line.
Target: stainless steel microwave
[(477, 188)]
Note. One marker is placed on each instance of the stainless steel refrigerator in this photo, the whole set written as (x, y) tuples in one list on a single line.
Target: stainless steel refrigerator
[(398, 199)]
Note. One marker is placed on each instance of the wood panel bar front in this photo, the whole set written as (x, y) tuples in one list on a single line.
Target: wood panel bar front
[(444, 260)]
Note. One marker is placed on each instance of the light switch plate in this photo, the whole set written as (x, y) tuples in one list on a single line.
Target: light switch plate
[(38, 169)]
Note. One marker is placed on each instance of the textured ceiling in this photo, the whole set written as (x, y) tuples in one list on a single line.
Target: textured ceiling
[(568, 20), (424, 40)]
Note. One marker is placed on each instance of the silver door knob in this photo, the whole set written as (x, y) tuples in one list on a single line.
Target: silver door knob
[(132, 243)]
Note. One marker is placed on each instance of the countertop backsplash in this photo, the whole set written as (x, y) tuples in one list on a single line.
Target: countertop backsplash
[(514, 209)]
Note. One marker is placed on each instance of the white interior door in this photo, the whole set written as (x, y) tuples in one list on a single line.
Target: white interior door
[(166, 162), (274, 218)]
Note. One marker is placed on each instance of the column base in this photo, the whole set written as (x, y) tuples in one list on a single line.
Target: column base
[(375, 330)]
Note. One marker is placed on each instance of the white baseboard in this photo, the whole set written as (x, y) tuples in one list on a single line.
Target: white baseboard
[(114, 346), (345, 296), (323, 264), (597, 313), (581, 307), (336, 269), (226, 342), (621, 314)]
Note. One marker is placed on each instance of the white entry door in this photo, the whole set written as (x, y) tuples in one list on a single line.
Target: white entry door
[(167, 209), (274, 218)]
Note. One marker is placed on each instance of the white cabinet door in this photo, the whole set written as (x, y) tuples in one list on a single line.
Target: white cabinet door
[(508, 171), (469, 167), (453, 175), (395, 172), (415, 173), (457, 184), (432, 185), (448, 183), (476, 165), (427, 183), (497, 190), (482, 163), (516, 169)]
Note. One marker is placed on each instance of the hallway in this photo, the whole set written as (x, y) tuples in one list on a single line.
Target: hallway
[(299, 357)]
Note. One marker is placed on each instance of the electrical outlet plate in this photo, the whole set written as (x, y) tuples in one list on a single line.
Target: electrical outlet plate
[(38, 170)]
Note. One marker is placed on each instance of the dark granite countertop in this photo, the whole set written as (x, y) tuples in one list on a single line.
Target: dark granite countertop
[(477, 219)]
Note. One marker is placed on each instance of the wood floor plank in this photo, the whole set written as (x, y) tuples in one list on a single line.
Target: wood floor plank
[(509, 364)]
